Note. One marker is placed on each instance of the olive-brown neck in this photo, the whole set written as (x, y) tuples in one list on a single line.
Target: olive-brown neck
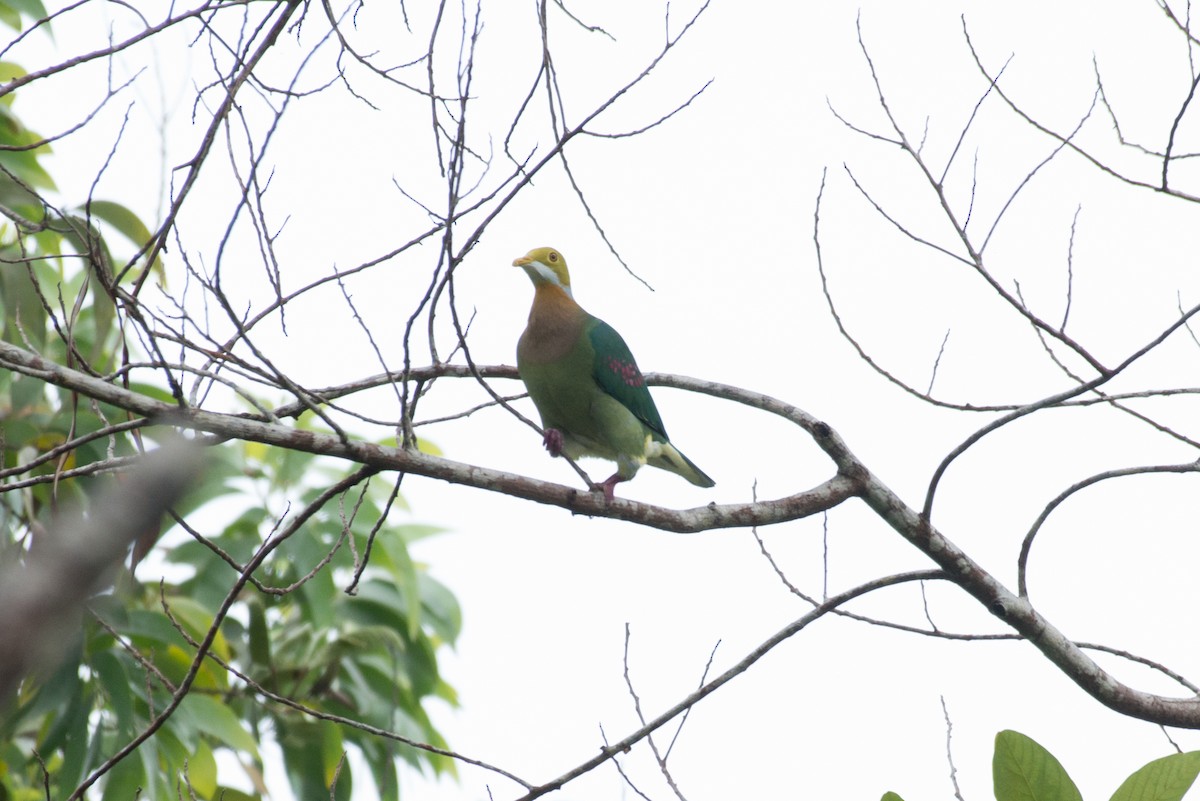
[(555, 325)]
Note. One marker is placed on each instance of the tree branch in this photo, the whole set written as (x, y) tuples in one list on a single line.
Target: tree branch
[(226, 426)]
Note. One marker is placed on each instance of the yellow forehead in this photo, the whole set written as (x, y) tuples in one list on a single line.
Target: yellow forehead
[(551, 260)]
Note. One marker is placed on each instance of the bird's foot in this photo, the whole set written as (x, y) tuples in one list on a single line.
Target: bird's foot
[(553, 440), (609, 485)]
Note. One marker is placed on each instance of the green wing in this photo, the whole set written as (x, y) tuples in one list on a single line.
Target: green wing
[(617, 374)]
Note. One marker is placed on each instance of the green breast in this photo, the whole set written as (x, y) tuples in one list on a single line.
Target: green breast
[(559, 380)]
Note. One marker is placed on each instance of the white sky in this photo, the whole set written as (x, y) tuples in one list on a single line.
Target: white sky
[(714, 209)]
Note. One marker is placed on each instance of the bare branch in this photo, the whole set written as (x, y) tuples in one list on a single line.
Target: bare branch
[(1095, 161), (742, 666), (949, 754), (1027, 543), (1050, 402), (224, 426)]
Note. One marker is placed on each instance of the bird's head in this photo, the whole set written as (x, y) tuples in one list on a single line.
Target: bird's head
[(545, 266)]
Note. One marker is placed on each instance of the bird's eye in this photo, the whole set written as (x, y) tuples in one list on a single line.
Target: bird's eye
[(553, 256)]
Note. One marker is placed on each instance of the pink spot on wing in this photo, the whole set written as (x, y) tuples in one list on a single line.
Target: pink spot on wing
[(628, 371)]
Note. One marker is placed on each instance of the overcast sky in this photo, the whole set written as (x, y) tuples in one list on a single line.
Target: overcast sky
[(714, 210)]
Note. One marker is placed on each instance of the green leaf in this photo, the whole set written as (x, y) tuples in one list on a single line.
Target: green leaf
[(70, 732), (379, 603), (890, 796), (147, 628), (404, 574), (197, 620), (287, 467), (61, 688), (260, 638), (442, 612), (86, 240), (129, 225), (119, 217), (387, 778), (318, 600), (217, 720), (202, 771), (310, 753), (125, 781), (425, 446), (104, 313), (24, 315), (152, 392), (24, 164), (72, 709), (28, 393), (412, 532), (332, 752), (30, 8), (46, 244), (10, 17), (149, 753), (230, 794), (1022, 770), (239, 539), (115, 683), (1165, 779)]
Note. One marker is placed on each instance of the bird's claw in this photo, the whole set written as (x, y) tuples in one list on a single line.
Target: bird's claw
[(553, 440), (609, 485)]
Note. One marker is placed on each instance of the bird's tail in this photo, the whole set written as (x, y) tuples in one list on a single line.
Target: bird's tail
[(669, 458)]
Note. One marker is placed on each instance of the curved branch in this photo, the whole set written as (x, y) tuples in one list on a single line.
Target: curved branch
[(149, 32), (1065, 140), (608, 752), (852, 479), (1050, 402), (940, 634), (960, 228), (226, 426), (158, 240), (1018, 613), (1141, 660), (1027, 543)]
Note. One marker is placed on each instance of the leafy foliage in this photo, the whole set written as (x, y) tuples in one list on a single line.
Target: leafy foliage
[(294, 658), (1022, 770), (370, 657)]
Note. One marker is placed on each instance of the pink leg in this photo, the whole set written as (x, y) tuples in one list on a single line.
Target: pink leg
[(553, 440), (609, 485)]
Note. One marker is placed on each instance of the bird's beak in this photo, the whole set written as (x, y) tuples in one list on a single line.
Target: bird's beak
[(521, 262)]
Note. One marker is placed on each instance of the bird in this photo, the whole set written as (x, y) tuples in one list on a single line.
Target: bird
[(581, 376)]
